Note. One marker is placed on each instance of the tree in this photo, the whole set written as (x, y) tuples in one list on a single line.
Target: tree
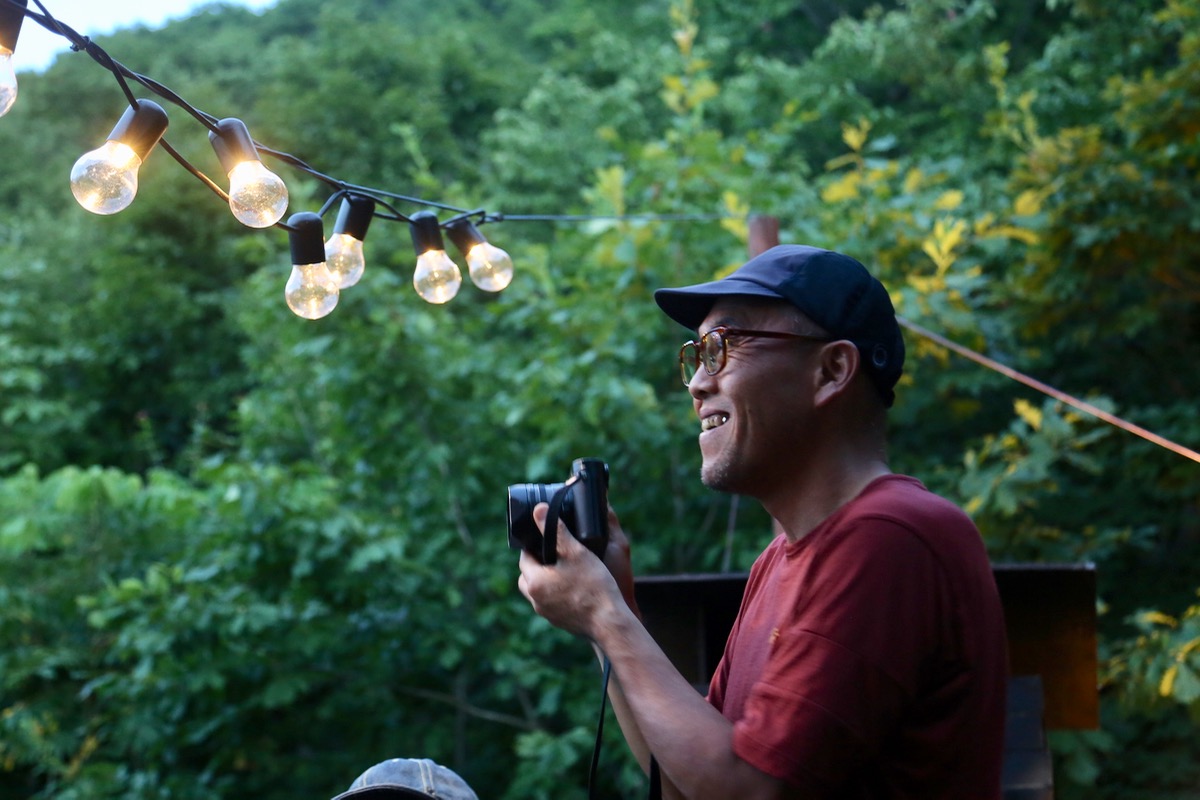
[(242, 551)]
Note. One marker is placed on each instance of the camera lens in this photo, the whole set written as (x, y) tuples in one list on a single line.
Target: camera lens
[(582, 508), (523, 532)]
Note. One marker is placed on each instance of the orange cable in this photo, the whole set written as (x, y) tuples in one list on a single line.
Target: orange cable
[(1051, 391)]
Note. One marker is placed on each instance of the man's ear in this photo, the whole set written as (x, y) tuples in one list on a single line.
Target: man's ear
[(837, 366)]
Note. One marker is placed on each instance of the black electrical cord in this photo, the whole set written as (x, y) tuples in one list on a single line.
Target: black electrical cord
[(599, 730), (124, 76)]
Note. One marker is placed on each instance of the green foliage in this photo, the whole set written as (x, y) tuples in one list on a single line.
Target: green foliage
[(243, 554)]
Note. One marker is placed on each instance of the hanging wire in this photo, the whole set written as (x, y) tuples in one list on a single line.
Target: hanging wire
[(610, 217), (207, 181), (124, 75), (342, 188), (1033, 383)]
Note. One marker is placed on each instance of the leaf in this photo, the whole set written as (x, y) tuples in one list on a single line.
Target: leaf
[(1186, 688), (1167, 685), (1158, 618), (948, 201), (855, 136), (844, 188), (1028, 203), (1029, 413)]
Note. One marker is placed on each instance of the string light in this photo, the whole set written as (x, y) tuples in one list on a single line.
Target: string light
[(105, 180), (311, 291), (344, 250), (12, 15), (258, 197), (436, 278), (314, 296), (490, 267)]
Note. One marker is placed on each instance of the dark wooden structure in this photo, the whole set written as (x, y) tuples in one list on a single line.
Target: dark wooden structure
[(1050, 615)]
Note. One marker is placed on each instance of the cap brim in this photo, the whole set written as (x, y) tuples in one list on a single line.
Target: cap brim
[(689, 305), (382, 793)]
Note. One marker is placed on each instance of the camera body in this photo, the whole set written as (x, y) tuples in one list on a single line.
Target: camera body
[(583, 506)]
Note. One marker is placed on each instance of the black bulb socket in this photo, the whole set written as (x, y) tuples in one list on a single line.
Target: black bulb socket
[(140, 127), (11, 18), (464, 234), (426, 232), (354, 216), (307, 238), (232, 143)]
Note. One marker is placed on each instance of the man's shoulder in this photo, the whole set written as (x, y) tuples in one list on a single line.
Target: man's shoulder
[(897, 508), (905, 499)]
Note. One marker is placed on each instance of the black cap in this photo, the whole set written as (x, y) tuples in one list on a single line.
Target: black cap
[(833, 290)]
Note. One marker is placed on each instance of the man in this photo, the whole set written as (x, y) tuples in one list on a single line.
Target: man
[(868, 659)]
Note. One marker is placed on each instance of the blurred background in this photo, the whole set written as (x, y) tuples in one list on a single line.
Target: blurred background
[(244, 554)]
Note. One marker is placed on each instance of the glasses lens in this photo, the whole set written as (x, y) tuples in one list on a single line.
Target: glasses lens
[(712, 351), (689, 362)]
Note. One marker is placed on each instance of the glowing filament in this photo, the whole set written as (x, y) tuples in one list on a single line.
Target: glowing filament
[(311, 291), (105, 180), (437, 278), (257, 196), (344, 255)]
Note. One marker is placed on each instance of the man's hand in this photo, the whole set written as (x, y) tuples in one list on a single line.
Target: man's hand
[(617, 559), (579, 590)]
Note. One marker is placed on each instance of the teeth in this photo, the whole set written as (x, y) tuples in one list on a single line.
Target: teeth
[(715, 421)]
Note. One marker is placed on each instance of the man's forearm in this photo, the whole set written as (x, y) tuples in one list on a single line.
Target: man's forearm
[(661, 713), (620, 706), (633, 735)]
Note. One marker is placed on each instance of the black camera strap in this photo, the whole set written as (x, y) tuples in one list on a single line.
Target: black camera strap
[(599, 730), (550, 536), (550, 556), (655, 776)]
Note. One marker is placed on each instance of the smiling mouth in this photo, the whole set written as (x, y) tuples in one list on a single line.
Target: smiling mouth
[(715, 421)]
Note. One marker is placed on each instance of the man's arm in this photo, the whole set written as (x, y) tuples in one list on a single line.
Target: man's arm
[(659, 711), (619, 561)]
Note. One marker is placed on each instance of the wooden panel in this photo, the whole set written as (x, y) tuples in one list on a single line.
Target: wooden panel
[(690, 617), (1050, 613)]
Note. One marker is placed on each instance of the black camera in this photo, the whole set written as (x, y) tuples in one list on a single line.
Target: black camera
[(581, 502)]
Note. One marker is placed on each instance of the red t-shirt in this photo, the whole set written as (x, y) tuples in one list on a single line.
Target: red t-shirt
[(869, 659)]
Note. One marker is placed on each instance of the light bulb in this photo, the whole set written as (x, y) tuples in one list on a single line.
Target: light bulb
[(491, 268), (344, 250), (344, 255), (436, 278), (105, 180), (8, 81), (258, 197), (311, 291), (12, 14)]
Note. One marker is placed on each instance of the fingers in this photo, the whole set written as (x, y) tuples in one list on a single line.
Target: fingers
[(567, 545), (616, 534), (540, 511)]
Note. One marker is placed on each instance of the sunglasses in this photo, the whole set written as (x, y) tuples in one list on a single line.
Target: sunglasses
[(710, 349)]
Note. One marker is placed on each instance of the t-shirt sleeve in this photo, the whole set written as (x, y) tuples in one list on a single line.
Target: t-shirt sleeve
[(718, 683), (846, 657)]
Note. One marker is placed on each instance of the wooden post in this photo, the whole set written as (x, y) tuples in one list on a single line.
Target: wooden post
[(764, 234)]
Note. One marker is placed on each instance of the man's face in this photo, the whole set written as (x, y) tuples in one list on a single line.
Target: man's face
[(754, 412)]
